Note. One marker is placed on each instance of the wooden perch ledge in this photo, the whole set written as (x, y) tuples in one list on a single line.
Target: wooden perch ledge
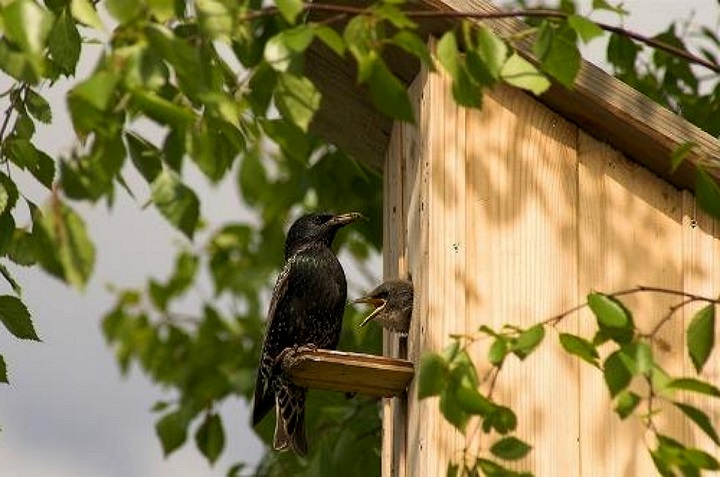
[(348, 372)]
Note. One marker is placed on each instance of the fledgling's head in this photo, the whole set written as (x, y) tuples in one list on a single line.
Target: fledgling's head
[(393, 302), (316, 228)]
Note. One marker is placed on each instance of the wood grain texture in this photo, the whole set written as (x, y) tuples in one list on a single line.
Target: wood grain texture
[(349, 372), (609, 109)]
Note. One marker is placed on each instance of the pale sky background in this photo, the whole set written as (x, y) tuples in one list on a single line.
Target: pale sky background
[(68, 412)]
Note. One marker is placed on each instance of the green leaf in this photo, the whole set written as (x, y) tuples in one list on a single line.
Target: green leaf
[(411, 42), (587, 29), (528, 341), (604, 5), (3, 371), (701, 459), (519, 72), (16, 318), (579, 347), (643, 358), (210, 438), (27, 24), (498, 350), (162, 110), (626, 403), (8, 197), (557, 51), (432, 375), (502, 419), (123, 10), (65, 43), (616, 374), (700, 336), (700, 419), (72, 247), (679, 154), (622, 52), (172, 431), (38, 106), (389, 94), (448, 54), (10, 279), (694, 385), (297, 99), (492, 50), (176, 202), (145, 156), (471, 401), (290, 9), (612, 317), (510, 448), (285, 49), (331, 38), (84, 12)]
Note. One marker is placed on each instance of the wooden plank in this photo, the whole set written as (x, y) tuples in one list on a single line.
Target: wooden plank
[(599, 103), (348, 372), (629, 235), (521, 210)]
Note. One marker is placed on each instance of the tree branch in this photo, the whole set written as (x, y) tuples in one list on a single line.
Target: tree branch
[(351, 10)]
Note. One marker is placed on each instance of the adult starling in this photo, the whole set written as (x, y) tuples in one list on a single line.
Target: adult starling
[(393, 301), (306, 310)]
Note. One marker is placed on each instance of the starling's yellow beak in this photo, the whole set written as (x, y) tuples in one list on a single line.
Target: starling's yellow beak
[(344, 219), (378, 303)]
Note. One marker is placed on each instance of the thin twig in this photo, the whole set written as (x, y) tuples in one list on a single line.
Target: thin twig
[(352, 10)]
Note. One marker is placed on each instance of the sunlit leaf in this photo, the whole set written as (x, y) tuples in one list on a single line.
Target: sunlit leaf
[(585, 28), (84, 12), (528, 341), (557, 51), (297, 99), (579, 347), (694, 385), (290, 9), (498, 350), (519, 72), (612, 317)]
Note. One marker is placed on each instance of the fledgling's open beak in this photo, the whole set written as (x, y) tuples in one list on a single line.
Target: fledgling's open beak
[(378, 303)]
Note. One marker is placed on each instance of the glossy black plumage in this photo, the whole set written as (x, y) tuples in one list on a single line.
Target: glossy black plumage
[(306, 309), (393, 302)]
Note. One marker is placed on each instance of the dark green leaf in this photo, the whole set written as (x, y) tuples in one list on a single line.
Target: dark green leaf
[(177, 202), (145, 156), (65, 43), (707, 192), (510, 448), (701, 459), (394, 15), (557, 51), (519, 72), (8, 197), (38, 106), (389, 94), (604, 5), (694, 385), (10, 279), (210, 438), (492, 50), (3, 370), (701, 335), (528, 341), (701, 419), (579, 347), (453, 470), (451, 410), (411, 42), (432, 375), (679, 154), (16, 318), (616, 374), (626, 403), (622, 52), (502, 419), (172, 431), (471, 401)]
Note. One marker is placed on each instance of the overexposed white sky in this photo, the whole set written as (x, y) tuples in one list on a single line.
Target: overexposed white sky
[(67, 411)]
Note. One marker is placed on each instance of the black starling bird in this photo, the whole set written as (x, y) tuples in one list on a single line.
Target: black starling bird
[(393, 301), (306, 310)]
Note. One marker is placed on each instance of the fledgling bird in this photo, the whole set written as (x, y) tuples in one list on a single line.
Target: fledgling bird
[(306, 309), (393, 302)]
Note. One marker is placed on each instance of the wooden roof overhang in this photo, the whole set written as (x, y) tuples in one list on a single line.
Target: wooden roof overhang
[(602, 105)]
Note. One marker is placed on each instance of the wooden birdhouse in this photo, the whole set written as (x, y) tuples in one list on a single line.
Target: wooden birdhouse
[(512, 213)]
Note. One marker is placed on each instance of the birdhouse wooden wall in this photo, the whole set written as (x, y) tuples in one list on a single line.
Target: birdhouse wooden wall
[(512, 214)]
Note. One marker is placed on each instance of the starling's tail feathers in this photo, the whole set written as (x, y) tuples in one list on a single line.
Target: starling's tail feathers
[(264, 396), (290, 419)]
